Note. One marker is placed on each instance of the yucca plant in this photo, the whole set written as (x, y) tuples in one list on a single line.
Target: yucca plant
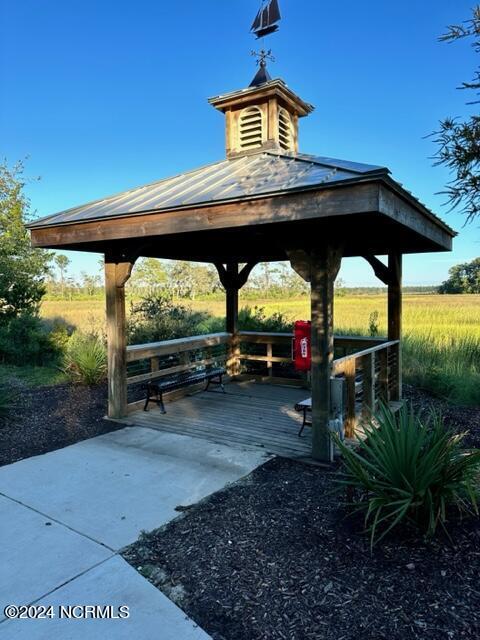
[(85, 359), (408, 470)]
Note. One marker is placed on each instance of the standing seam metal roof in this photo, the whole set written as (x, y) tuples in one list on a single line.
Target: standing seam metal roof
[(263, 173), (266, 173)]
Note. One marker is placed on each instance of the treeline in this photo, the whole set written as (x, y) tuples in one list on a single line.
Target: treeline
[(184, 280), (463, 278)]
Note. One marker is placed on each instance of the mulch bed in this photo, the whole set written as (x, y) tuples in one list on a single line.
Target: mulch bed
[(457, 418), (48, 418), (275, 557)]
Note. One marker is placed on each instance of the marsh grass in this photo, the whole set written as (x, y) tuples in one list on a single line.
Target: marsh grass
[(441, 350)]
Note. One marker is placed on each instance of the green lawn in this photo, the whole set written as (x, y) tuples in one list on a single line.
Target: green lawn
[(31, 376)]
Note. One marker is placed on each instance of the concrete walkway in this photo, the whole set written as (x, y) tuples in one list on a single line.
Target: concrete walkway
[(65, 515)]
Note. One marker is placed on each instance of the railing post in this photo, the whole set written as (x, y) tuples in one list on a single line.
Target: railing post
[(350, 413), (233, 356), (383, 375), (368, 385)]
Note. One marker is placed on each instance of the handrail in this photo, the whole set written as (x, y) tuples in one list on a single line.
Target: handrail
[(178, 345), (339, 363), (265, 336)]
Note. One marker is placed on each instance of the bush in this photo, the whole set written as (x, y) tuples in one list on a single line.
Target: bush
[(25, 339), (409, 471), (156, 317), (85, 359), (252, 319)]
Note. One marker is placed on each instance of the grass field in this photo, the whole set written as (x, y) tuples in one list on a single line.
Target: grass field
[(441, 333)]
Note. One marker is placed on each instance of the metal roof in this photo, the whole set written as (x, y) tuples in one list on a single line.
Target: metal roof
[(260, 174)]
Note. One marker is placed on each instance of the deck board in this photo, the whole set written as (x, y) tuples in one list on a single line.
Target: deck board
[(249, 414)]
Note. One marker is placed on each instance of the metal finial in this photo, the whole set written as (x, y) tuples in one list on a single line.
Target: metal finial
[(263, 56)]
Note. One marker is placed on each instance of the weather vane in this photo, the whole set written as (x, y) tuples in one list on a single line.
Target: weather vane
[(264, 24)]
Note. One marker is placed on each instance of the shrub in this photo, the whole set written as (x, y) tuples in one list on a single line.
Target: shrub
[(410, 471), (85, 359), (156, 317), (373, 324), (252, 319), (26, 339)]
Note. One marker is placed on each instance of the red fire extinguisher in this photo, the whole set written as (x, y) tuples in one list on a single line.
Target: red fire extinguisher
[(301, 348)]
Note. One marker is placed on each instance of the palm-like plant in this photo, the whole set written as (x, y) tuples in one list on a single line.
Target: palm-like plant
[(408, 470), (85, 359)]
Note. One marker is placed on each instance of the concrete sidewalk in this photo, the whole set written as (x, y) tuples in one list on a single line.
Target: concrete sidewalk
[(64, 515)]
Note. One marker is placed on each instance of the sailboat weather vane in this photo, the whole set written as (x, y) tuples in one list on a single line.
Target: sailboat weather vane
[(265, 23)]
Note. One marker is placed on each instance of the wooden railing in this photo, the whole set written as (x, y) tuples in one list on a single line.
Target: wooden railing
[(371, 376), (159, 359), (268, 343), (369, 366)]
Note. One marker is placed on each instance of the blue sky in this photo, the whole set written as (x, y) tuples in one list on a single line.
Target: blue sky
[(103, 96)]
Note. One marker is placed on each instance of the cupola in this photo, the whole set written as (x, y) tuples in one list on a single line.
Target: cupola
[(263, 116)]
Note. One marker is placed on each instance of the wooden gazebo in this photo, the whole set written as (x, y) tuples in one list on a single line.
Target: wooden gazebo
[(264, 202)]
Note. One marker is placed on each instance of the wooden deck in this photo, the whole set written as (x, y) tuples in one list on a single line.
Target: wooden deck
[(248, 414)]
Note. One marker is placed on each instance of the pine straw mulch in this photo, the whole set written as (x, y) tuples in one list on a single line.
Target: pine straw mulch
[(46, 418), (273, 557)]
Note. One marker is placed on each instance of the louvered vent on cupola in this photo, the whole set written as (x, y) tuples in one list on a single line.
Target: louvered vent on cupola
[(261, 118), (251, 128), (285, 130)]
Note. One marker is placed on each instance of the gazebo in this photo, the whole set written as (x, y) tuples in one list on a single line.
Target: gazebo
[(265, 202)]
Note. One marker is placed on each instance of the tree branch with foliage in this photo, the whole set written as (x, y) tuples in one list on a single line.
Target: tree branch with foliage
[(22, 268), (459, 141)]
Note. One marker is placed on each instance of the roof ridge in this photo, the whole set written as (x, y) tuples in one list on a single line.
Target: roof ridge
[(335, 163)]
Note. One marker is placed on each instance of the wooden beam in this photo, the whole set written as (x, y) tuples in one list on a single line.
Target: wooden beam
[(256, 211), (382, 271), (395, 319), (324, 266), (300, 263), (116, 275)]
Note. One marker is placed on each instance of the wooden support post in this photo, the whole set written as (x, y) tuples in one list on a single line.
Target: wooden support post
[(233, 364), (116, 275), (232, 298), (233, 280), (395, 320), (350, 409), (324, 266), (368, 385)]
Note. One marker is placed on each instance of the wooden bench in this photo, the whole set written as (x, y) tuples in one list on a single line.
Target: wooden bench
[(156, 389)]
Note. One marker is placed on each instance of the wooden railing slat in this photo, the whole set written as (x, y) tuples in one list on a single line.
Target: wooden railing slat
[(161, 373), (168, 347)]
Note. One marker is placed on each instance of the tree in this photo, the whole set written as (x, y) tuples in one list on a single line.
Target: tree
[(149, 273), (22, 268), (464, 278), (62, 263), (90, 283), (459, 141)]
